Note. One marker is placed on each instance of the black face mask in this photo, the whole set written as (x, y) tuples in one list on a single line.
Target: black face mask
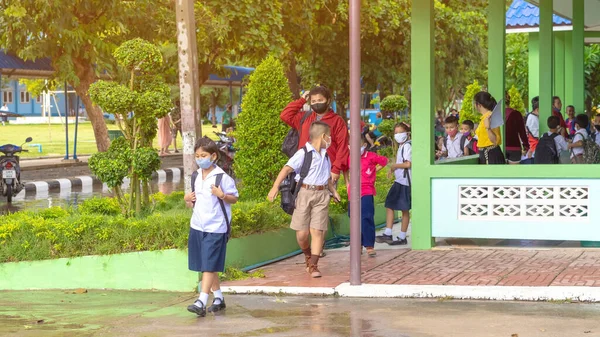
[(320, 107), (597, 127)]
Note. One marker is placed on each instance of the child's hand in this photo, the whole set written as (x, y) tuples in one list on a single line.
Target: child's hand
[(390, 174), (190, 197), (273, 194), (217, 191), (336, 197)]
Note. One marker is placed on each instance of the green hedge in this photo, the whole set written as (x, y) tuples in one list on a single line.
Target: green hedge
[(98, 228)]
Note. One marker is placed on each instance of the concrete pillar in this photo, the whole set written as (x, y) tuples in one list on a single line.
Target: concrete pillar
[(534, 66), (546, 62), (578, 55)]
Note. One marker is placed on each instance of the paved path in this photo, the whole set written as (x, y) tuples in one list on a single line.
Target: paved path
[(471, 267), (107, 313)]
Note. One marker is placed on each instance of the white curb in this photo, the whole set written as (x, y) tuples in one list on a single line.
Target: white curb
[(314, 291), (500, 293)]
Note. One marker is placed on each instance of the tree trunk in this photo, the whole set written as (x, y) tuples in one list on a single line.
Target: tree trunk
[(292, 76), (213, 108), (86, 76)]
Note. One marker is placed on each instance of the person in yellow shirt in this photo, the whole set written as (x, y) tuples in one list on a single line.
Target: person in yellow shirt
[(488, 139)]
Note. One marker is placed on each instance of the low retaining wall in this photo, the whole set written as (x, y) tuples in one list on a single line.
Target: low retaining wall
[(161, 270)]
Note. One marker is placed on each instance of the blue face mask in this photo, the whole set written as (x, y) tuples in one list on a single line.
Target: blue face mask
[(204, 163)]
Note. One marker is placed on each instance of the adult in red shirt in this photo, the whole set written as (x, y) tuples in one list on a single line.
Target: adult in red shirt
[(320, 101), (516, 141), (556, 107)]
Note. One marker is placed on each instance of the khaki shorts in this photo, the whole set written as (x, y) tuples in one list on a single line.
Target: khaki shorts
[(312, 210)]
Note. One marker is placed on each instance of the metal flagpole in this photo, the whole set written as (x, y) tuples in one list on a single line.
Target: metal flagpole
[(76, 127), (67, 121), (355, 96)]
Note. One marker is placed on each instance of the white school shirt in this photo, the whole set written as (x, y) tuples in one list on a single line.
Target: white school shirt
[(404, 155), (208, 215), (596, 137), (579, 135), (533, 125), (320, 168), (454, 149)]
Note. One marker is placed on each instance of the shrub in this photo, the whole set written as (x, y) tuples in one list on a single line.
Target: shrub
[(394, 103), (260, 132), (101, 206), (467, 112), (387, 127), (516, 101)]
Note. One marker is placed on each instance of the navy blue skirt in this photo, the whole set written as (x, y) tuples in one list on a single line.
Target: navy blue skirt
[(399, 198), (206, 251)]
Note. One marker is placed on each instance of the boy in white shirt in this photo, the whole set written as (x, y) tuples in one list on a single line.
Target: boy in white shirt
[(399, 197), (596, 130), (311, 215), (581, 123), (455, 143)]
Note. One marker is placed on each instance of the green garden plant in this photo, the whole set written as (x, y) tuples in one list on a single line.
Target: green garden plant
[(260, 132), (136, 101), (467, 112), (516, 101), (394, 104)]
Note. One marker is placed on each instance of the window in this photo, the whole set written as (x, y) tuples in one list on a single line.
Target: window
[(7, 97), (25, 97), (38, 99)]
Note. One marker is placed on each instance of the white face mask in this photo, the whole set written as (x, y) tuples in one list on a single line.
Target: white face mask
[(401, 137)]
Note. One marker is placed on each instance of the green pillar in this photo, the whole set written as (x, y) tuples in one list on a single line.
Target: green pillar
[(423, 108), (578, 56), (496, 52), (534, 66), (546, 62), (559, 66), (568, 69)]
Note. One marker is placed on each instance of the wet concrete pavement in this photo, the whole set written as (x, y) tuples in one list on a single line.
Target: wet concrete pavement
[(109, 313)]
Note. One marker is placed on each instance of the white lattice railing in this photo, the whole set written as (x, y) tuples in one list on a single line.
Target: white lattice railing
[(523, 203)]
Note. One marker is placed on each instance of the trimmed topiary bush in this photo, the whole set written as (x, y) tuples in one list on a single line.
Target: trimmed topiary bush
[(516, 101), (467, 112), (260, 132), (393, 104)]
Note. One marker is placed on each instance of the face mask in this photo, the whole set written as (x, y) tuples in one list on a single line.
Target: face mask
[(204, 163), (452, 133), (401, 137), (467, 133), (597, 127), (327, 144), (363, 148), (320, 107)]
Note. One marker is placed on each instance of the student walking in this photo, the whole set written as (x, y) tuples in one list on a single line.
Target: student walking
[(399, 197), (370, 164), (311, 214), (213, 194)]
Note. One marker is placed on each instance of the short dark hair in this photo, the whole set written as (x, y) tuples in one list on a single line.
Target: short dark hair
[(207, 145), (318, 129), (469, 123), (453, 110), (403, 125), (451, 120), (570, 106), (554, 99), (321, 90), (553, 122), (535, 103), (582, 120)]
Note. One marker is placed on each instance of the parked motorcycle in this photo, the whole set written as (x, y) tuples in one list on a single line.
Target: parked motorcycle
[(11, 184), (225, 145)]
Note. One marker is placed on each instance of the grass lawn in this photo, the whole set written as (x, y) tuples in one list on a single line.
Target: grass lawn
[(52, 138)]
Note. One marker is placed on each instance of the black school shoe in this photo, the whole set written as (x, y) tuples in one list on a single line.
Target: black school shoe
[(197, 308), (217, 307), (384, 239), (398, 242)]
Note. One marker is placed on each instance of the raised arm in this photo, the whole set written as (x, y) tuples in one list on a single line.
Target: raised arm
[(292, 114)]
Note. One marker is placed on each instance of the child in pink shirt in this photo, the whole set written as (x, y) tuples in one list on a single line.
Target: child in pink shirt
[(370, 163)]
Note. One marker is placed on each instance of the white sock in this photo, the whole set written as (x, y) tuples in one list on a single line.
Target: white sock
[(218, 295), (402, 235), (388, 231), (203, 298)]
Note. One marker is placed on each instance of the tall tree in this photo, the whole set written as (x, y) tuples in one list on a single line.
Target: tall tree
[(79, 36)]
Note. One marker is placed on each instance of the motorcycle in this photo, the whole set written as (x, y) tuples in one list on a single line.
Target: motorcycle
[(11, 185), (225, 145)]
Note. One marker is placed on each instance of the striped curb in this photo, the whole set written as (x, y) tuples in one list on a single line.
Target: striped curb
[(88, 184)]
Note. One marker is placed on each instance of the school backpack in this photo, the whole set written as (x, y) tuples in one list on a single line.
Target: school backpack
[(406, 174), (526, 127), (546, 151), (218, 179), (591, 151), (290, 188), (292, 140)]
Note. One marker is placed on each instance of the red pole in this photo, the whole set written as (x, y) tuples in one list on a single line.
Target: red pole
[(355, 142)]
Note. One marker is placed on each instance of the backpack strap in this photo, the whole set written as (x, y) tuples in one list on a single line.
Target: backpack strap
[(406, 175), (218, 180), (194, 177), (463, 140), (308, 113), (305, 168)]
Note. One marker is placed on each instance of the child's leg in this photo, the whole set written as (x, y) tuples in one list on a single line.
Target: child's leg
[(405, 222), (302, 237), (208, 279), (368, 221), (389, 220)]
